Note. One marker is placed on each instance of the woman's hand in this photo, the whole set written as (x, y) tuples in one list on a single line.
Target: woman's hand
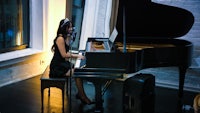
[(81, 57), (74, 56)]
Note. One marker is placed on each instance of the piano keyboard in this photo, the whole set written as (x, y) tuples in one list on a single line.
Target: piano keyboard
[(80, 63)]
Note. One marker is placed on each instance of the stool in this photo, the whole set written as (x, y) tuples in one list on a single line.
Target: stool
[(47, 82)]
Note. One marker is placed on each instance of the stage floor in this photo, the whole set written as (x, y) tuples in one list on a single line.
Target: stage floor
[(25, 97)]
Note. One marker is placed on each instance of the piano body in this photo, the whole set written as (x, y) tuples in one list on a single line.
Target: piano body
[(148, 36)]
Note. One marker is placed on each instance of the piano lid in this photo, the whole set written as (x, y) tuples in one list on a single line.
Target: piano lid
[(146, 19)]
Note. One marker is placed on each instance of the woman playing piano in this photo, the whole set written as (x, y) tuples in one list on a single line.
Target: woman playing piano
[(60, 65)]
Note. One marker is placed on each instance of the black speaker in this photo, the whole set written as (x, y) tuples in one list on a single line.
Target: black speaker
[(139, 94)]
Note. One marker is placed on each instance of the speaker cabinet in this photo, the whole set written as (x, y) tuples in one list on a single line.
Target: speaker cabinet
[(139, 94)]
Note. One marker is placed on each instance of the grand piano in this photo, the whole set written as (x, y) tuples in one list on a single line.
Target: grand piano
[(148, 36)]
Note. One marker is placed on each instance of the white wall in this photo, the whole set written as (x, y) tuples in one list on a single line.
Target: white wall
[(45, 16)]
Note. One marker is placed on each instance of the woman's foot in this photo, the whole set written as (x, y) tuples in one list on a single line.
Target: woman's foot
[(84, 100)]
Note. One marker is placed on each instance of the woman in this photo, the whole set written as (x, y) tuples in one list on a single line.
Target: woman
[(60, 65)]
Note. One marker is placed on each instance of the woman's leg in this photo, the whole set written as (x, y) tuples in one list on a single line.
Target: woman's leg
[(70, 72), (81, 93)]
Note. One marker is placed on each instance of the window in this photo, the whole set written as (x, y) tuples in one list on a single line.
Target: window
[(14, 25), (77, 16)]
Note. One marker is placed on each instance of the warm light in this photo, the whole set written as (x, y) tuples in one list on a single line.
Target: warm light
[(18, 38), (56, 12)]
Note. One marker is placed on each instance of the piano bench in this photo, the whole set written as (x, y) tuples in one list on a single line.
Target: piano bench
[(47, 82)]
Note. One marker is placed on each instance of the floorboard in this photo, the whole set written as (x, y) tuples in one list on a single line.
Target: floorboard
[(25, 97)]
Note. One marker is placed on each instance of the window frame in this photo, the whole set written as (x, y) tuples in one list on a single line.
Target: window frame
[(23, 4), (36, 34)]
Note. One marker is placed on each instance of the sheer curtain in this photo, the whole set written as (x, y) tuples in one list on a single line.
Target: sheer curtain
[(88, 24), (91, 18), (114, 12)]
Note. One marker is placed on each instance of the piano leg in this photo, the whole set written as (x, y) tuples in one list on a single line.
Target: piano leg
[(98, 83), (182, 72), (98, 97)]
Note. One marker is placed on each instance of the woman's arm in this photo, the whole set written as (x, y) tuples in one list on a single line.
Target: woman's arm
[(61, 46)]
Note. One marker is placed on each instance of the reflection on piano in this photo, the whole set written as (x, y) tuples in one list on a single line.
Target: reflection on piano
[(150, 32), (101, 44)]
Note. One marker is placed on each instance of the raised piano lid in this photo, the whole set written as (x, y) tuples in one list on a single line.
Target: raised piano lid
[(146, 19)]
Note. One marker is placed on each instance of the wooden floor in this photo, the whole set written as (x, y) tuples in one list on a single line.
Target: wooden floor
[(25, 97)]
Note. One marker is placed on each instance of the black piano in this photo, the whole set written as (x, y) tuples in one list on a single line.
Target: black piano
[(148, 36)]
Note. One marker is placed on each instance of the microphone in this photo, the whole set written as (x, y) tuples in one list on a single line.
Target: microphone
[(73, 35)]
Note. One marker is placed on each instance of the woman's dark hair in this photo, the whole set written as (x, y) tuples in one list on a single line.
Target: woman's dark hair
[(61, 31)]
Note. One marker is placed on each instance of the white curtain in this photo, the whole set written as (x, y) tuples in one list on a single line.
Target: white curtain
[(96, 20)]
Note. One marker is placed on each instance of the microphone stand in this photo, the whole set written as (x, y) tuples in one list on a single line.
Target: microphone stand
[(70, 60), (70, 79), (124, 28)]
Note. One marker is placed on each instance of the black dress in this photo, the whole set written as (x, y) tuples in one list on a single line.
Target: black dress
[(59, 66)]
